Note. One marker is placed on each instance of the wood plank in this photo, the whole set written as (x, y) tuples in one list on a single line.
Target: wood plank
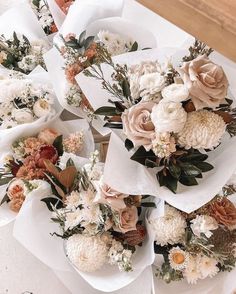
[(211, 21)]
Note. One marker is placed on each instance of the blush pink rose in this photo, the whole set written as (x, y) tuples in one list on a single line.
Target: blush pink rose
[(137, 124), (111, 197), (206, 82), (128, 219), (48, 136)]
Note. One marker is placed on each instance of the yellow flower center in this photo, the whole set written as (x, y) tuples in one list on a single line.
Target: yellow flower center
[(178, 258)]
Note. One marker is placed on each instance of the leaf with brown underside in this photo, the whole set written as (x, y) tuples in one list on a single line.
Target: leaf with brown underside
[(51, 168), (227, 117), (67, 176), (58, 189)]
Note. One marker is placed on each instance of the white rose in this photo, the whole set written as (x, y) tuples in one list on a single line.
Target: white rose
[(23, 115), (168, 117), (175, 93), (42, 108), (203, 224), (150, 85)]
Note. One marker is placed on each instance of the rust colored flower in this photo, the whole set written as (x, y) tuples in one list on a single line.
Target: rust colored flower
[(91, 51), (72, 70), (53, 28), (135, 237), (64, 5), (45, 152), (224, 212)]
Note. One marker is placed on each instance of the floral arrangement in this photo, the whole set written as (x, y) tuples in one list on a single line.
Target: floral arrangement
[(99, 224), (19, 54), (64, 4), (199, 245), (24, 101), (171, 116), (41, 9), (80, 53), (27, 162)]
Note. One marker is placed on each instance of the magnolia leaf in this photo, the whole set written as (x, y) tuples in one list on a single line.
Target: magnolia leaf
[(67, 176), (57, 188), (190, 170), (151, 164), (194, 157), (134, 47), (188, 181), (51, 168), (141, 155), (174, 170), (167, 180), (148, 204)]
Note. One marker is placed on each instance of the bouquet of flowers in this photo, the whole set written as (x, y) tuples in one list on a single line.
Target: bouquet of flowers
[(18, 53), (171, 116), (25, 100), (44, 16), (23, 164), (199, 245)]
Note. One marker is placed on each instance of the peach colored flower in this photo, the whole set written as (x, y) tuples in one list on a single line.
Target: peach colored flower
[(206, 82), (53, 28), (32, 144), (48, 136), (74, 143), (137, 124), (107, 195), (224, 212), (64, 5), (72, 70), (31, 172), (15, 192), (91, 52), (128, 219)]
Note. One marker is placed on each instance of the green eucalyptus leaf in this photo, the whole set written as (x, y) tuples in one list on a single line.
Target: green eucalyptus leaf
[(88, 42), (126, 88), (107, 110), (82, 38), (58, 144), (6, 180)]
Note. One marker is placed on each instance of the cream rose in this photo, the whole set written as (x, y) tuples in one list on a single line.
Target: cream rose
[(206, 82), (48, 136), (128, 220), (42, 107), (23, 115), (107, 195), (168, 117), (175, 93), (137, 124)]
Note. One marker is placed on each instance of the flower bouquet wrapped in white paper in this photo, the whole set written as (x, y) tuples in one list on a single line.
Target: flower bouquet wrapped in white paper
[(78, 50), (26, 99), (198, 246), (177, 122), (23, 152), (43, 13), (23, 42), (102, 231)]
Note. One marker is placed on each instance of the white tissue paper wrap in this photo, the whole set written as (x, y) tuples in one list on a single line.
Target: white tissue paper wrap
[(21, 19), (34, 222), (37, 76), (142, 180), (57, 14), (64, 127)]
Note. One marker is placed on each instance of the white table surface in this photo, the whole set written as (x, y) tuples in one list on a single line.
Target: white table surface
[(21, 272)]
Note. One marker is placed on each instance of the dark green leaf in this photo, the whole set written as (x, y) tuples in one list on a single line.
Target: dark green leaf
[(190, 170), (134, 47), (188, 181), (148, 204), (5, 199), (204, 166), (16, 41), (151, 164), (119, 106), (126, 88), (175, 170), (107, 110), (58, 144), (167, 180), (194, 157), (145, 196), (141, 155), (129, 144), (51, 201), (229, 101)]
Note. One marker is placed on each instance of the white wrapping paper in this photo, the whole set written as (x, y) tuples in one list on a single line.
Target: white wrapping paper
[(57, 14), (38, 75), (65, 128), (34, 222), (21, 19)]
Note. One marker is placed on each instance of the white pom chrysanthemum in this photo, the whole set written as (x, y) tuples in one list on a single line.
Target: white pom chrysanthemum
[(88, 254), (192, 272), (203, 129), (208, 266), (203, 224), (170, 228)]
